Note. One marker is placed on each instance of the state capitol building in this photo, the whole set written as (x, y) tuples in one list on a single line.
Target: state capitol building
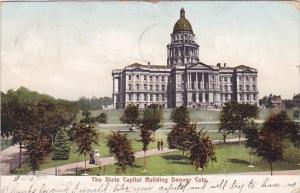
[(185, 80)]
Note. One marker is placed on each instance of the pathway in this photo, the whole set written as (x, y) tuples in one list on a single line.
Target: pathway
[(9, 159), (70, 168)]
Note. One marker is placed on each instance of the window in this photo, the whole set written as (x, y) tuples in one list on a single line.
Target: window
[(145, 77), (226, 97), (162, 78), (157, 97), (254, 97), (221, 88), (247, 87), (156, 87), (137, 87), (150, 78), (145, 106), (163, 87), (145, 97), (138, 77), (248, 97), (240, 87), (220, 79), (151, 88), (129, 77), (254, 87), (247, 78), (253, 79), (225, 79), (241, 97), (230, 80), (240, 78), (213, 86), (163, 97), (129, 87), (130, 97), (138, 106), (151, 97), (138, 97), (156, 78), (145, 86), (182, 77), (225, 88)]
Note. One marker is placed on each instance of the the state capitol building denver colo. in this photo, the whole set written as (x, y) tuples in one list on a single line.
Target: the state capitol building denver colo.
[(185, 80)]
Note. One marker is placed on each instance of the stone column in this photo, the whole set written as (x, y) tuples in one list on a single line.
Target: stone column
[(114, 97), (196, 83), (197, 97), (203, 81), (190, 80)]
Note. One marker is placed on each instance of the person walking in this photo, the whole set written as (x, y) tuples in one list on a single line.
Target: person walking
[(158, 145), (161, 145)]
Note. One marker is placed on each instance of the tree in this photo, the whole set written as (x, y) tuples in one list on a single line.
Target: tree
[(146, 139), (85, 136), (61, 147), (296, 114), (131, 115), (252, 135), (294, 134), (202, 151), (181, 116), (152, 117), (102, 118), (120, 147), (278, 123), (270, 147), (235, 116), (87, 117), (181, 138), (37, 147)]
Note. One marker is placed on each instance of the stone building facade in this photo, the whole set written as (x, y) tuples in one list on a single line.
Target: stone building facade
[(185, 80)]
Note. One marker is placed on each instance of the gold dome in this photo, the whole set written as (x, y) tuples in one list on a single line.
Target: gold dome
[(182, 24)]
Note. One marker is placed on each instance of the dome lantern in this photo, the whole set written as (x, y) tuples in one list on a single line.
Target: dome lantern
[(182, 24)]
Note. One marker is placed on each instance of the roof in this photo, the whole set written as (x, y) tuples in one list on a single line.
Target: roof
[(137, 65), (182, 24)]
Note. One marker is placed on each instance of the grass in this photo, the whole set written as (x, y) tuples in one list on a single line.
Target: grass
[(114, 115), (5, 143), (231, 158), (133, 136)]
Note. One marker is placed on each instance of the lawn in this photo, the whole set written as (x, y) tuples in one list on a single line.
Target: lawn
[(133, 136), (5, 143), (114, 115), (231, 158)]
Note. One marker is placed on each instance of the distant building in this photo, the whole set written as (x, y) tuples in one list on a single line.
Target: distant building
[(185, 80), (276, 101), (296, 100)]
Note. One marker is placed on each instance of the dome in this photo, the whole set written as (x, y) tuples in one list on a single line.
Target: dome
[(182, 24)]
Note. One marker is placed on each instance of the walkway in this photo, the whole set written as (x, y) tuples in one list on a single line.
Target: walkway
[(9, 159), (70, 168)]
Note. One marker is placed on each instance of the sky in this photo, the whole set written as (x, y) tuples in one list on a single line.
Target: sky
[(69, 49)]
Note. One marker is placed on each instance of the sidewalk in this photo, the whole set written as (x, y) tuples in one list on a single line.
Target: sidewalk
[(70, 168), (9, 158)]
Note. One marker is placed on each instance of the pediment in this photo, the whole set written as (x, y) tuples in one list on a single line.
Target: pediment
[(200, 66)]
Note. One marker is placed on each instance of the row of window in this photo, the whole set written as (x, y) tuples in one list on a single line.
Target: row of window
[(153, 97), (247, 87), (248, 97), (229, 79), (137, 86), (183, 37), (145, 106), (137, 77)]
